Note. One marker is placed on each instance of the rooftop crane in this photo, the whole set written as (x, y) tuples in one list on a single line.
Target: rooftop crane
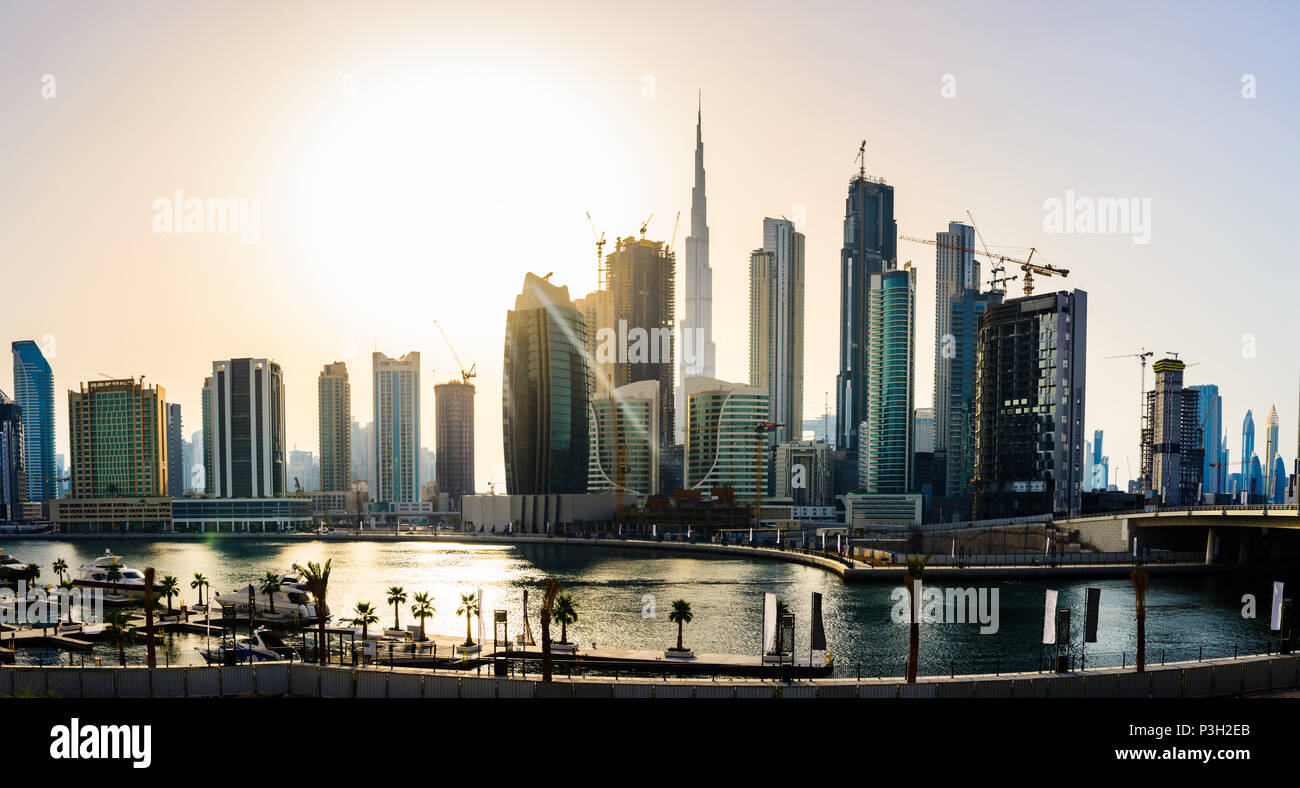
[(999, 261), (646, 224), (676, 222), (1142, 355), (465, 374), (602, 272), (861, 160)]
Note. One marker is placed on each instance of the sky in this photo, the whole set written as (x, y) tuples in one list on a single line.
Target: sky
[(410, 162)]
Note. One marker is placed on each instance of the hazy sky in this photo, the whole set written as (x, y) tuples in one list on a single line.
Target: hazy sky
[(411, 161)]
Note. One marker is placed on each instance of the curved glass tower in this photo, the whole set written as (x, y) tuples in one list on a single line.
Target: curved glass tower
[(34, 393), (890, 353)]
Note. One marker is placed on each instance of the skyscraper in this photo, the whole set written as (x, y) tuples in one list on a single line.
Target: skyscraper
[(302, 471), (395, 476), (870, 241), (776, 291), (891, 357), (545, 384), (209, 436), (723, 449), (924, 429), (1172, 453), (957, 464), (1270, 450), (625, 434), (454, 407), (175, 452), (246, 428), (13, 488), (698, 351), (334, 394), (362, 439), (955, 272), (1031, 370), (118, 432), (1213, 466), (34, 393), (1248, 454)]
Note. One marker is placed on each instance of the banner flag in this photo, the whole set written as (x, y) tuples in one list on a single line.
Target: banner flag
[(1275, 620), (1049, 617), (769, 623), (818, 631), (1091, 610)]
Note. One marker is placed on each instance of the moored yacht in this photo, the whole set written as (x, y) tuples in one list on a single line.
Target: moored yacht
[(292, 602), (128, 589)]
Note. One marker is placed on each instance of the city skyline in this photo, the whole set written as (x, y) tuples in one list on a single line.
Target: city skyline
[(322, 256)]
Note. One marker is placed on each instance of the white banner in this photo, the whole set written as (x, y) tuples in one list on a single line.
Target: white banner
[(1275, 620), (654, 529), (1048, 548), (1049, 617), (769, 623)]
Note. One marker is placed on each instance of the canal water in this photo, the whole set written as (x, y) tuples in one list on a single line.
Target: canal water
[(623, 597)]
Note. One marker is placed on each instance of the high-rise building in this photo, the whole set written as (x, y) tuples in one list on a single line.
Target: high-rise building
[(175, 452), (1096, 463), (955, 272), (597, 309), (363, 438), (13, 481), (886, 459), (1031, 369), (957, 460), (395, 476), (545, 392), (642, 277), (776, 290), (334, 395), (625, 434), (118, 433), (246, 429), (34, 393), (1270, 450), (723, 446), (1172, 454), (924, 426), (454, 406), (1248, 452), (870, 242), (698, 351), (303, 471), (1278, 481), (194, 461), (803, 473), (209, 436), (1214, 465)]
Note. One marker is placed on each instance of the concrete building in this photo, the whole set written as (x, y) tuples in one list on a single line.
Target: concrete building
[(538, 514), (247, 515), (13, 480), (875, 510), (776, 325), (118, 431), (1029, 406), (545, 392), (1172, 454), (113, 515), (175, 452), (334, 399), (246, 429), (34, 393), (363, 438), (303, 471), (723, 448), (957, 461), (454, 407), (1214, 468), (803, 473), (208, 397), (395, 469), (625, 432), (923, 426)]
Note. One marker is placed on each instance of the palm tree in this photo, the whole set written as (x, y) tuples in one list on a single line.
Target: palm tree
[(270, 587), (60, 568), (113, 573), (681, 614), (150, 658), (366, 616), (170, 587), (564, 613), (422, 609), (468, 608), (199, 582), (1140, 581), (317, 578), (118, 630), (31, 572), (67, 586), (915, 569), (396, 597)]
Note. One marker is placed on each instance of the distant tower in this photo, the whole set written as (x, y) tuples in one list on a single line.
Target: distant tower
[(34, 394), (886, 459), (246, 422), (698, 351), (453, 404), (1247, 450), (175, 452), (1270, 451), (396, 461), (334, 393), (776, 324)]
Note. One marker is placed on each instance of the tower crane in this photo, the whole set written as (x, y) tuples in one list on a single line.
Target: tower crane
[(602, 271), (676, 222), (1142, 355), (465, 374), (646, 224), (1000, 260)]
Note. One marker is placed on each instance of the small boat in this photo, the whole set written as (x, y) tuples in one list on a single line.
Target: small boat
[(129, 589), (263, 646), (11, 569)]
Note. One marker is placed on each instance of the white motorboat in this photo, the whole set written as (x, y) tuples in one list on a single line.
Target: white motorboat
[(291, 602), (128, 589), (263, 646)]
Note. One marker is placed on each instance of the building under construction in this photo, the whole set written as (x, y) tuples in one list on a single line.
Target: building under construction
[(1173, 452)]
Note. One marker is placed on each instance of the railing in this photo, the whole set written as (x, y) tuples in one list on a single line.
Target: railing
[(1052, 559)]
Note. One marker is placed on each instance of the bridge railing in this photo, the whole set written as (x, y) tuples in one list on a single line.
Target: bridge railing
[(1052, 559)]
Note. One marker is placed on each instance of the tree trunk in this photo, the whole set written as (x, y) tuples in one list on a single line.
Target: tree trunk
[(913, 632), (397, 620), (320, 628), (679, 635), (151, 658), (1142, 641)]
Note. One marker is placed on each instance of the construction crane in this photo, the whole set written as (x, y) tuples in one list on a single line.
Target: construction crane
[(1142, 355), (602, 271), (676, 222), (465, 374), (861, 160), (646, 224), (999, 261)]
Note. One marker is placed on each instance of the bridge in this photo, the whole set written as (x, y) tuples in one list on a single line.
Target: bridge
[(1228, 534)]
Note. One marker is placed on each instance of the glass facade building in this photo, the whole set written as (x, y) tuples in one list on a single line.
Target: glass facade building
[(13, 490), (334, 394), (245, 423), (546, 382), (118, 432), (965, 311), (891, 360), (454, 461), (34, 393), (723, 446), (396, 459)]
